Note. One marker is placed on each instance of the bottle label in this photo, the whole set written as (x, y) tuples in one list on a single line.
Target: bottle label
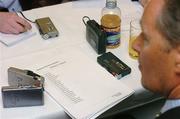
[(111, 24), (113, 36)]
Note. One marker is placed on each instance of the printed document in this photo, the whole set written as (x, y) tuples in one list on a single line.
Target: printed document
[(81, 86)]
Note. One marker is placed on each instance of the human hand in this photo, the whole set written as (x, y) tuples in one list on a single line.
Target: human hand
[(11, 23)]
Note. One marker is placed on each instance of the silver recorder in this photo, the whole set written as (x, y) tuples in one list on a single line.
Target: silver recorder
[(25, 89), (46, 28), (19, 77)]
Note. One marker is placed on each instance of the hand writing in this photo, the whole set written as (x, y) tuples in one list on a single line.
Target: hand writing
[(11, 23)]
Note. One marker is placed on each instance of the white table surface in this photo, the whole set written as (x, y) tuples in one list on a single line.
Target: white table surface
[(67, 18)]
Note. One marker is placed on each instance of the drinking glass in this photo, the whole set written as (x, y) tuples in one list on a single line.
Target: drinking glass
[(135, 30)]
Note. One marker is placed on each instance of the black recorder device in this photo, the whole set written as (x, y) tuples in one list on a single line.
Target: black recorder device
[(114, 65), (95, 35), (25, 89)]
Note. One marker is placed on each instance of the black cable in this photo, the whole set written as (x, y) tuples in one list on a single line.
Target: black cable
[(26, 17)]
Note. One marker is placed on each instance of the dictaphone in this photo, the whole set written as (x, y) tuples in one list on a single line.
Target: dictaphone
[(114, 65), (46, 28), (25, 89)]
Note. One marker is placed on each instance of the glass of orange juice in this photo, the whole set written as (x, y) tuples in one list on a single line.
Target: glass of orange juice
[(135, 30)]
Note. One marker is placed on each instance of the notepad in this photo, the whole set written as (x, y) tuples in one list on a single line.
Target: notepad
[(12, 39)]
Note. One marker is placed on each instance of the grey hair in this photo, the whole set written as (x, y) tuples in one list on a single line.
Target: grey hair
[(168, 22)]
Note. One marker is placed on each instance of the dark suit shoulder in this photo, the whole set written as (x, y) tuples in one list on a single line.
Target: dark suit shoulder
[(171, 114)]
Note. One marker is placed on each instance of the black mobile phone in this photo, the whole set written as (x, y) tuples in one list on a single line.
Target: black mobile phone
[(114, 65)]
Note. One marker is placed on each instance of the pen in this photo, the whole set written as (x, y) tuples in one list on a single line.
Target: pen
[(25, 29)]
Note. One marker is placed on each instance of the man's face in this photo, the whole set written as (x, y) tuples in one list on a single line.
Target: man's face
[(155, 54)]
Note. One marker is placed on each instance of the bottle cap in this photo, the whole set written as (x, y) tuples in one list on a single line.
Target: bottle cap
[(111, 3)]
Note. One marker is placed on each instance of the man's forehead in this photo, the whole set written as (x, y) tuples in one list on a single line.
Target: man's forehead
[(154, 8), (151, 12)]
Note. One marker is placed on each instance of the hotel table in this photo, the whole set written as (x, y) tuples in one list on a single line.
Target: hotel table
[(67, 17)]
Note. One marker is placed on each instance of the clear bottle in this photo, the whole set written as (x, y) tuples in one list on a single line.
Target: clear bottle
[(111, 23)]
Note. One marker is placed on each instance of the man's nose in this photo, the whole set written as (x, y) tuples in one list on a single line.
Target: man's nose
[(137, 44)]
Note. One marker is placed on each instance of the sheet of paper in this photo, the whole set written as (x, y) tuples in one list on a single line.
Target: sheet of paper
[(80, 85), (12, 39)]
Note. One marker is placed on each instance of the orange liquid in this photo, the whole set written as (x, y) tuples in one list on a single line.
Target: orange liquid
[(133, 54), (112, 24)]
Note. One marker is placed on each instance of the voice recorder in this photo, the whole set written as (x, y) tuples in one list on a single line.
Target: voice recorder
[(46, 28)]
